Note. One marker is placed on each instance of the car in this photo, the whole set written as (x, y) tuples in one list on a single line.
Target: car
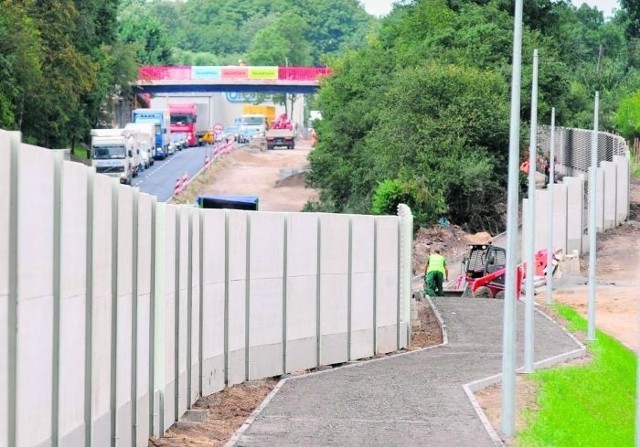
[(179, 141), (160, 154), (235, 133)]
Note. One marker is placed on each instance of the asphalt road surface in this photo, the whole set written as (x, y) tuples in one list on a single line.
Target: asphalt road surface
[(160, 179)]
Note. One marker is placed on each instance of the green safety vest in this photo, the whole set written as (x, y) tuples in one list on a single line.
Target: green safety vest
[(436, 263)]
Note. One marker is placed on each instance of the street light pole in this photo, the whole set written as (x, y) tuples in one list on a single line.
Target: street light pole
[(507, 419)]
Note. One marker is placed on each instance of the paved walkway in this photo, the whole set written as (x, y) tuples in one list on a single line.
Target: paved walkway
[(415, 399)]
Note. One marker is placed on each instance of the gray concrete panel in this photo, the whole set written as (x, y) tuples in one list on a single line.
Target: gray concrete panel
[(237, 244), (301, 322), (35, 296), (622, 207), (334, 244), (265, 360), (575, 214), (560, 219), (267, 242), (101, 313), (183, 286), (194, 367), (73, 245), (236, 366), (168, 279), (236, 328), (301, 354), (142, 420), (75, 437), (387, 253), (101, 429), (302, 270), (333, 317), (387, 337), (265, 325), (334, 348), (362, 285), (541, 220), (124, 363), (169, 405), (609, 170), (5, 178), (599, 198), (124, 427), (212, 375), (362, 297)]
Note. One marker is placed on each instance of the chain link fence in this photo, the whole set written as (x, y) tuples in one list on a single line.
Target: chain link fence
[(573, 152)]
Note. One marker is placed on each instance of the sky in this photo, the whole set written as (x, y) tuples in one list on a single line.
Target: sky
[(382, 7)]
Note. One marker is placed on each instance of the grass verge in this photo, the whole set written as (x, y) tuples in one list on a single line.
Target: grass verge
[(587, 405)]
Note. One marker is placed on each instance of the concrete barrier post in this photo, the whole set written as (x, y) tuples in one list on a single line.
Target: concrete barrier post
[(575, 214), (560, 217), (404, 273), (610, 183), (622, 188)]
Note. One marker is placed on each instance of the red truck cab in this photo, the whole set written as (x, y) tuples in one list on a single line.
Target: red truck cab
[(183, 120)]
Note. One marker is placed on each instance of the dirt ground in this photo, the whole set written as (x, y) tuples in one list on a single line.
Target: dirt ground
[(277, 177)]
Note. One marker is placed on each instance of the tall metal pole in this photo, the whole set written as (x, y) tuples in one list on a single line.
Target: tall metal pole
[(508, 424), (552, 157), (591, 313), (531, 215)]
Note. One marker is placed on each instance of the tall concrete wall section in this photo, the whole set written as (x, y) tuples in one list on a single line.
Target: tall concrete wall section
[(302, 291), (143, 338), (35, 296), (622, 188), (124, 316), (610, 198), (100, 301), (362, 286), (181, 310), (599, 198), (266, 294), (575, 207), (194, 341), (237, 324), (334, 288), (5, 231), (72, 291), (168, 306), (386, 286), (213, 300), (560, 217)]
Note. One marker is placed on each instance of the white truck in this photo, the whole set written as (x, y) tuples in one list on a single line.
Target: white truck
[(253, 125), (145, 139), (114, 153)]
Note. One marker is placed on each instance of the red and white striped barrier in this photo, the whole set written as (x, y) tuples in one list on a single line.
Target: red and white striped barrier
[(178, 187), (185, 181), (207, 162)]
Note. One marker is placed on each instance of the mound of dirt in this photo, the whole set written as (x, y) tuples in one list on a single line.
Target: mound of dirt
[(296, 181)]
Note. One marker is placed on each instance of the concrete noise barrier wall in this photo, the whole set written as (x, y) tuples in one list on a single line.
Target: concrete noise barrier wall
[(117, 313), (570, 201)]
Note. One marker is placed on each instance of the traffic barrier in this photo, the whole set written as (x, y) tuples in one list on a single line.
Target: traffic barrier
[(178, 187), (185, 181), (207, 162)]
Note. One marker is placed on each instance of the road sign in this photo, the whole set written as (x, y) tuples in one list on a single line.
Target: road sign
[(217, 129)]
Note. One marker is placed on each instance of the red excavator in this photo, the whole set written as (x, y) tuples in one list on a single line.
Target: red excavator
[(484, 271)]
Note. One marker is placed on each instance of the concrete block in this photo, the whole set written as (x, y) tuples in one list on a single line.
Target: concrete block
[(575, 213), (610, 194), (622, 188)]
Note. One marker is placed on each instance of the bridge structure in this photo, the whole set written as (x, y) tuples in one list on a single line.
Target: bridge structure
[(266, 79)]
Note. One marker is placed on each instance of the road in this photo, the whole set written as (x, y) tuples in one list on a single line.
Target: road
[(160, 179)]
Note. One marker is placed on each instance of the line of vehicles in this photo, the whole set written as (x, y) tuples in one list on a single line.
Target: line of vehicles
[(155, 134)]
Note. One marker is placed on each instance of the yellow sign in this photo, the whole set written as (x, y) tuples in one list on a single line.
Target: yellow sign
[(263, 72)]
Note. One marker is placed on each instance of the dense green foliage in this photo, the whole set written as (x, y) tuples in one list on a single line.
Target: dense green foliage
[(64, 64), (421, 113), (587, 405)]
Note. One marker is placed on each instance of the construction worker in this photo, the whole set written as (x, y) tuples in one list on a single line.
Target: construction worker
[(435, 273)]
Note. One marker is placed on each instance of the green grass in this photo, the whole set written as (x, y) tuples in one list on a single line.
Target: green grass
[(585, 405), (80, 152)]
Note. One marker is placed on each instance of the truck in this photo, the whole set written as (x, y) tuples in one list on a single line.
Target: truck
[(113, 153), (268, 111), (145, 140), (184, 118), (281, 133), (161, 120)]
